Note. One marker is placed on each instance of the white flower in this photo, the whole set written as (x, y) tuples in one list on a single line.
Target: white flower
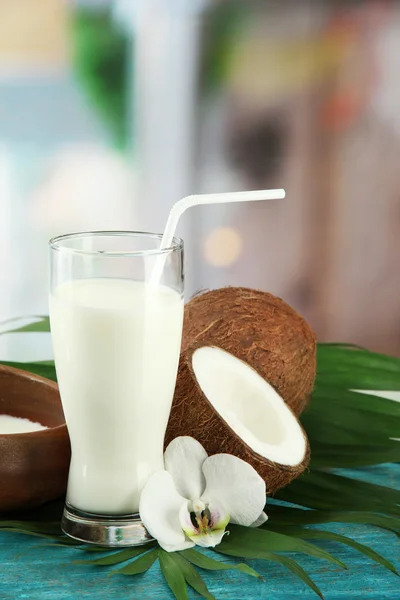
[(193, 500)]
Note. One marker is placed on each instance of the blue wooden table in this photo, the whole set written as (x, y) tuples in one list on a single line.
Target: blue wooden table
[(30, 570)]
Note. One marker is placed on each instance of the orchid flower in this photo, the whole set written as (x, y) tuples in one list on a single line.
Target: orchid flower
[(196, 496)]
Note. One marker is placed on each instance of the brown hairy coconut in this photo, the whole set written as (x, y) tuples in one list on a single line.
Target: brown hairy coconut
[(226, 405), (263, 331), (246, 371)]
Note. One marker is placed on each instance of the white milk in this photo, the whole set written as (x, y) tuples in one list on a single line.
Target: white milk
[(116, 346)]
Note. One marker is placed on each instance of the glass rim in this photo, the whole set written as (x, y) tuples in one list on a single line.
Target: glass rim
[(55, 243)]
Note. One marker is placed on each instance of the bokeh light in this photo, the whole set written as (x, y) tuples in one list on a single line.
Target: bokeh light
[(223, 247)]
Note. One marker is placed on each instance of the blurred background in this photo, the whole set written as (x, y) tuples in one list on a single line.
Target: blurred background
[(112, 110)]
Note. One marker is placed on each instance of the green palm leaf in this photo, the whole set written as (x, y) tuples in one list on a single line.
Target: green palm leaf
[(362, 379), (352, 455), (355, 368), (44, 369), (210, 564), (295, 568), (174, 576), (41, 324), (49, 528), (114, 558), (285, 516), (253, 543), (327, 491), (320, 534), (332, 408), (349, 399), (140, 565), (337, 358), (193, 578)]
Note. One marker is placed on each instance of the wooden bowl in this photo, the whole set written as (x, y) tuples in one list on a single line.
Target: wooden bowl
[(33, 466)]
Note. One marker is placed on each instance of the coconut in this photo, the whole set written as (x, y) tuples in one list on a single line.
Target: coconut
[(263, 331), (230, 408)]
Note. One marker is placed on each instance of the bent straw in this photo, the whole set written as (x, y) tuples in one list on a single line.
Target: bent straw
[(195, 200)]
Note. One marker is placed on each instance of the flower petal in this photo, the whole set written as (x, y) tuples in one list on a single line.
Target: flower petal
[(159, 509), (209, 540), (210, 534), (220, 516), (186, 522), (184, 459), (260, 521), (236, 485), (177, 547)]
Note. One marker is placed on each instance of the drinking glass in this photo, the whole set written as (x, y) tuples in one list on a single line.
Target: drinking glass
[(116, 333)]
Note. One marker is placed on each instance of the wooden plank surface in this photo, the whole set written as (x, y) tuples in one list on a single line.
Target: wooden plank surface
[(31, 570)]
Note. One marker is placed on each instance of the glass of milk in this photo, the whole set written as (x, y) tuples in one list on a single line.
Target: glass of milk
[(116, 336)]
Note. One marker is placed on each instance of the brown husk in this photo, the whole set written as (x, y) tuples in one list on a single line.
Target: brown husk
[(192, 414), (263, 331)]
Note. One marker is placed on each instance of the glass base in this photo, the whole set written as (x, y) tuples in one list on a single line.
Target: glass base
[(111, 532)]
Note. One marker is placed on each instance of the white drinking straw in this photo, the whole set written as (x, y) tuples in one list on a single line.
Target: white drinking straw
[(179, 208)]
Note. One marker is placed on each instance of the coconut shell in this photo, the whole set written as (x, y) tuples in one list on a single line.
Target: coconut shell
[(263, 331), (192, 414)]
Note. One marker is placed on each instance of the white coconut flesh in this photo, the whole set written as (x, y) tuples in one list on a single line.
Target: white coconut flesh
[(249, 405)]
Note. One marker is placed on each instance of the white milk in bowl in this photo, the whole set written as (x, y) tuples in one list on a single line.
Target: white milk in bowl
[(116, 345)]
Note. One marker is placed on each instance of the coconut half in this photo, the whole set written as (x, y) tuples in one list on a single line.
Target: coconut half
[(263, 331), (229, 408)]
